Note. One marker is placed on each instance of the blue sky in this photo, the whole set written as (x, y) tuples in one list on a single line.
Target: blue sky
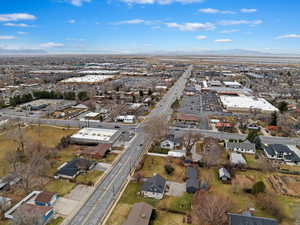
[(137, 26)]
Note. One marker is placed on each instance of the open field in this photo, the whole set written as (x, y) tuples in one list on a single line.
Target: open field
[(48, 136), (62, 187), (155, 165), (241, 200)]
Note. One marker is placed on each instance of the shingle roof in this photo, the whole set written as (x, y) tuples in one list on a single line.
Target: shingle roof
[(236, 219), (140, 214), (224, 172), (242, 145), (273, 149), (155, 184), (192, 176), (72, 167), (44, 197)]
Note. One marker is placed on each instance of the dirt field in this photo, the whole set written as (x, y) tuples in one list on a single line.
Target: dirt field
[(289, 185)]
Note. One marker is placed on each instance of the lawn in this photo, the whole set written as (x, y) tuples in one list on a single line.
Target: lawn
[(251, 161), (56, 221), (48, 136), (62, 187), (119, 214), (89, 178), (130, 196), (109, 158), (179, 204), (167, 218), (155, 165), (242, 201)]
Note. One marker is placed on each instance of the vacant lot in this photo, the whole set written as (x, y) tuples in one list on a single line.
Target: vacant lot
[(48, 136), (155, 165)]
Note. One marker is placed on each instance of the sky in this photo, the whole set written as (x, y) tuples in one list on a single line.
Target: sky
[(148, 26)]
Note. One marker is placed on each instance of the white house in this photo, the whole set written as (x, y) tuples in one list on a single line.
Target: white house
[(167, 144), (154, 187)]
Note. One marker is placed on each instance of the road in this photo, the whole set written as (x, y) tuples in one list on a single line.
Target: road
[(97, 206), (234, 136)]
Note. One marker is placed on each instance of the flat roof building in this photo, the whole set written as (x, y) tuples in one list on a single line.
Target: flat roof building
[(246, 103), (95, 136)]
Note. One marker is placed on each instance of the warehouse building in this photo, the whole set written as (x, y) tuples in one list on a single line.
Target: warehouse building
[(95, 136)]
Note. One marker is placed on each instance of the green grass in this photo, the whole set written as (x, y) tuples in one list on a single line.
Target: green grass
[(89, 178), (180, 204), (251, 161), (109, 158), (56, 221), (130, 196), (61, 187), (159, 150)]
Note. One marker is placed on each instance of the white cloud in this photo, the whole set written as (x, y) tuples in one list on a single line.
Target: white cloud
[(51, 45), (16, 17), (78, 2), (240, 22), (215, 11), (289, 36), (134, 21), (22, 32), (229, 31), (223, 40), (244, 10), (161, 2), (71, 21), (201, 37), (16, 25), (191, 26), (7, 37)]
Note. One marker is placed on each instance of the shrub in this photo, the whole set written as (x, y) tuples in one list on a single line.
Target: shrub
[(169, 169), (258, 187)]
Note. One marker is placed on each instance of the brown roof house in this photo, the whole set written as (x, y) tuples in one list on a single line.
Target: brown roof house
[(95, 152), (45, 198), (140, 214)]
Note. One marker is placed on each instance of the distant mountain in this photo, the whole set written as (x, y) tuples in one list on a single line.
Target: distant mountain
[(4, 51)]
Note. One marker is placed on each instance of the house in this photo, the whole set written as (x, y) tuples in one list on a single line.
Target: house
[(42, 213), (237, 159), (187, 118), (72, 169), (281, 152), (45, 198), (242, 147), (192, 183), (224, 175), (140, 214), (96, 152), (154, 187), (8, 181), (247, 218)]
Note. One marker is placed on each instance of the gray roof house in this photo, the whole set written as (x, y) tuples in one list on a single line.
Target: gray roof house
[(237, 159), (224, 175), (140, 214), (242, 147), (248, 219), (281, 152), (154, 187), (192, 183)]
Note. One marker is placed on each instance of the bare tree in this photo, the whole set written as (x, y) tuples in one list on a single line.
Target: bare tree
[(18, 136), (156, 128), (190, 139), (23, 216), (211, 208)]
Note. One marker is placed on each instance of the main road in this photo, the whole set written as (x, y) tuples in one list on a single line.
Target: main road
[(95, 209)]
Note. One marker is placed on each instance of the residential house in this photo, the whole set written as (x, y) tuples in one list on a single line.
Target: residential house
[(237, 159), (154, 187), (224, 175), (96, 152), (242, 147), (72, 169), (167, 144), (192, 183), (42, 213), (45, 198), (281, 152), (140, 214), (247, 218), (8, 181)]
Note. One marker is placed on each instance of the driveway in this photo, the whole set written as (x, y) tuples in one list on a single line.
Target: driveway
[(195, 156), (176, 189), (64, 207), (102, 166)]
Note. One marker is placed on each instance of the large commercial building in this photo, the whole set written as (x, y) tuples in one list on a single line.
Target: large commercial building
[(95, 136), (246, 104)]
